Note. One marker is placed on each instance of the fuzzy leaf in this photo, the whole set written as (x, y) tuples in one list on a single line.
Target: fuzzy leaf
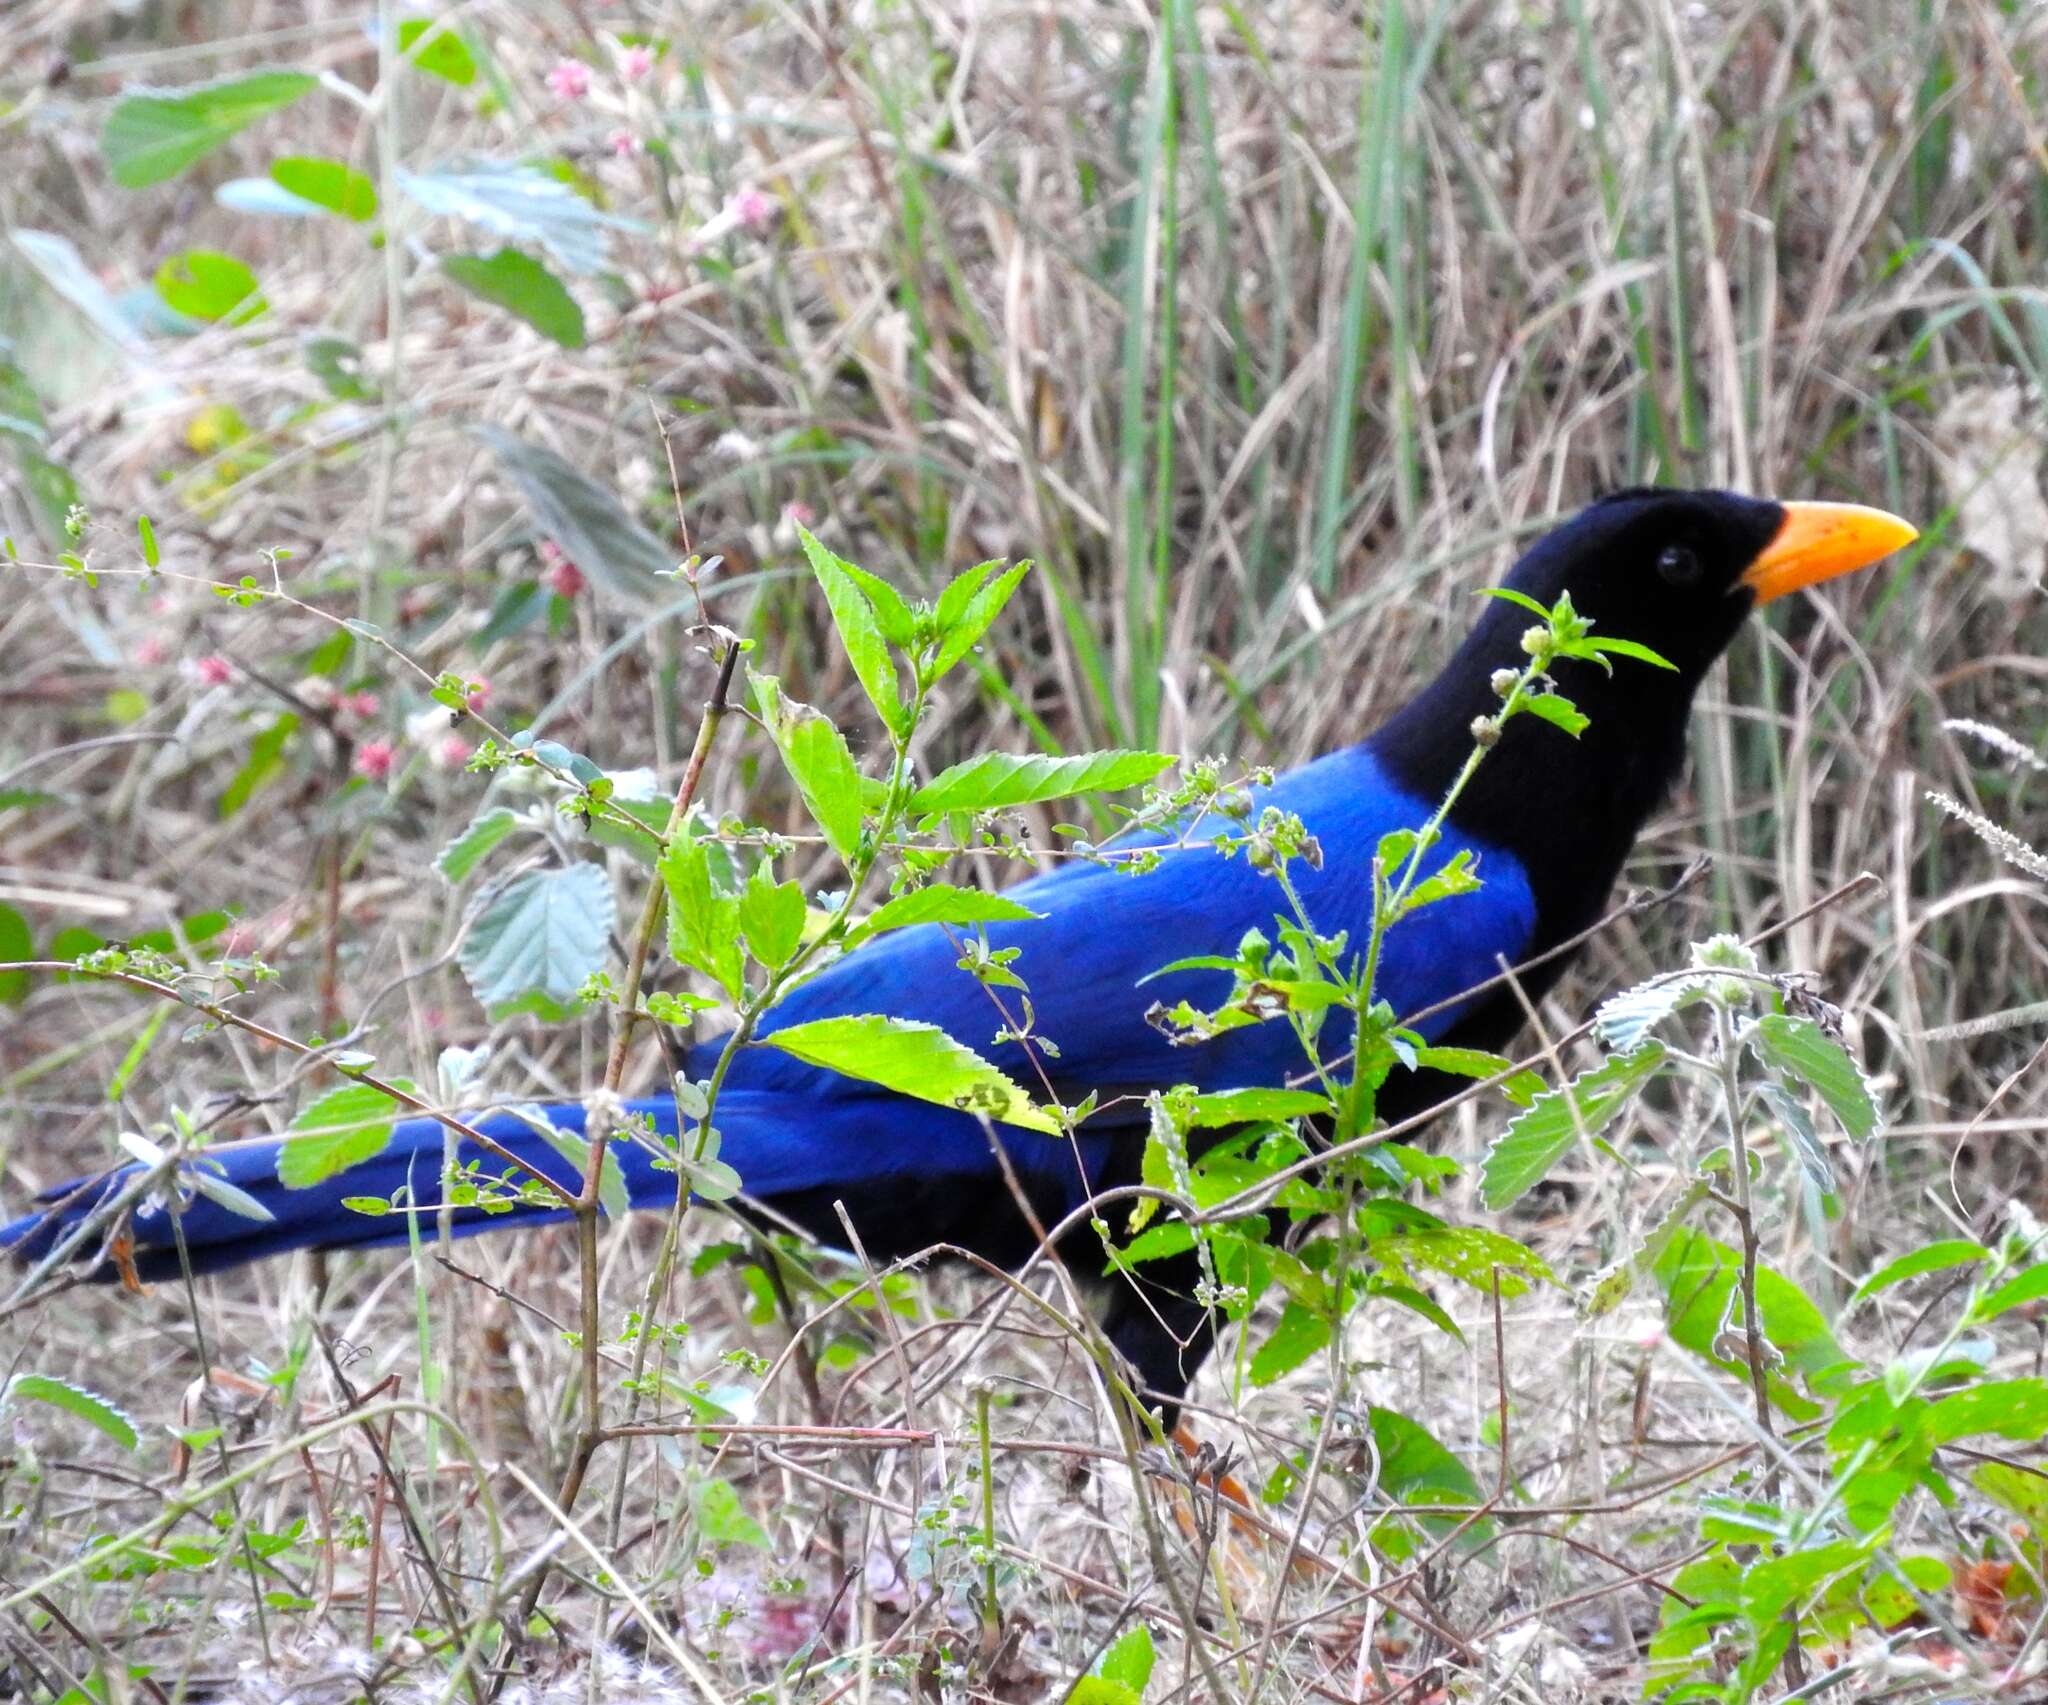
[(344, 1128), (918, 1060), (75, 1400), (153, 135), (542, 934), (1533, 1143), (476, 843), (996, 779), (1800, 1048)]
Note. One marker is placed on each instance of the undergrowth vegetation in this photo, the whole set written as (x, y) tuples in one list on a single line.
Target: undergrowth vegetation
[(530, 529)]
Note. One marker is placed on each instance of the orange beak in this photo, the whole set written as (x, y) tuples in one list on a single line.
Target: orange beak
[(1821, 540)]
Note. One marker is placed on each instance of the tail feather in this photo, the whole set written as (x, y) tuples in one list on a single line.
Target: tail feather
[(874, 1148)]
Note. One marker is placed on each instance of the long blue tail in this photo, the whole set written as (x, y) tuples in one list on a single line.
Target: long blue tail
[(880, 1154)]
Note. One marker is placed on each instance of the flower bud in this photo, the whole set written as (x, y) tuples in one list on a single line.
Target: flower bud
[(1503, 682), (1485, 730), (1536, 641)]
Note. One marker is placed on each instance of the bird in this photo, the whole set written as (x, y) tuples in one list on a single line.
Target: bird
[(1546, 820)]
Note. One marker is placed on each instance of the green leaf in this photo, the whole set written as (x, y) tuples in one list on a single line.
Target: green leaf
[(205, 284), (859, 633), (1253, 1106), (2030, 1286), (519, 284), (338, 365), (327, 183), (521, 204), (76, 1401), (574, 1147), (1415, 1469), (1629, 648), (17, 947), (997, 780), (918, 1060), (1129, 1662), (146, 530), (1092, 1690), (1475, 1063), (721, 1518), (543, 934), (937, 903), (476, 843), (260, 768), (1558, 711), (818, 760), (444, 54), (1622, 1020), (892, 615), (2013, 1408), (771, 917), (344, 1128), (1800, 1048), (138, 1049), (153, 135), (1469, 1254), (585, 519), (703, 923), (960, 629), (1508, 595), (1699, 1277), (1535, 1140), (1297, 1335), (1934, 1258)]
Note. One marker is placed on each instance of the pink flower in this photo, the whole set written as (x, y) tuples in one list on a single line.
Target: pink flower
[(453, 752), (214, 671), (374, 759), (570, 79), (625, 144), (752, 208), (151, 651), (479, 695), (565, 579), (636, 61), (801, 513), (363, 705)]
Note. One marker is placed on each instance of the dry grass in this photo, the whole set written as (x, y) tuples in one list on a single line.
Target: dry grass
[(1265, 386)]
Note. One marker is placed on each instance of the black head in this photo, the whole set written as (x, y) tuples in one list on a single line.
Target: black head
[(1677, 571)]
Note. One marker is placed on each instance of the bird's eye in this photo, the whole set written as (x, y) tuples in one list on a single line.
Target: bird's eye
[(1677, 566)]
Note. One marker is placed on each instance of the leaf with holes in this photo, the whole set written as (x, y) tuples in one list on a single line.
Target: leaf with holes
[(1535, 1140), (919, 1060)]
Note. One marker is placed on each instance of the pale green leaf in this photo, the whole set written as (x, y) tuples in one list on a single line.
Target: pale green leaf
[(918, 1060), (476, 843), (997, 780), (76, 1401), (1803, 1050), (543, 934), (519, 284), (1534, 1142), (152, 135), (344, 1128), (859, 633)]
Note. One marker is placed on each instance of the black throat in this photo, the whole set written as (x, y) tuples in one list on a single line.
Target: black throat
[(1566, 810)]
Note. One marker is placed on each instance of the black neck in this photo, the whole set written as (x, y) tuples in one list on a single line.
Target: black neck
[(1568, 810)]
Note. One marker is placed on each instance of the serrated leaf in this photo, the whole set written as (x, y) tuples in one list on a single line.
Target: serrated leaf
[(818, 760), (584, 519), (2030, 1286), (918, 1060), (521, 204), (771, 917), (1534, 1141), (476, 843), (860, 634), (344, 1128), (446, 55), (519, 284), (703, 923), (152, 135), (961, 630), (892, 615), (1297, 1335), (543, 934), (327, 184), (1934, 1258), (1800, 1048), (1469, 1254), (997, 780), (95, 1411), (1559, 712), (1621, 1021)]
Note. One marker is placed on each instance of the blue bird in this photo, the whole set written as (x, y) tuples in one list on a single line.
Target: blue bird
[(1547, 819)]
